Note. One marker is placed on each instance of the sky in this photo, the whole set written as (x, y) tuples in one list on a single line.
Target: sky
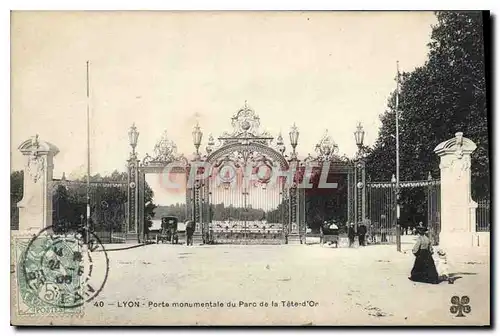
[(165, 71)]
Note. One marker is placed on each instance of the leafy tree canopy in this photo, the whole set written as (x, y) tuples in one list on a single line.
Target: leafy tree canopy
[(444, 96)]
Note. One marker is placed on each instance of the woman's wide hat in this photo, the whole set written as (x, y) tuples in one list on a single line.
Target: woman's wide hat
[(421, 228)]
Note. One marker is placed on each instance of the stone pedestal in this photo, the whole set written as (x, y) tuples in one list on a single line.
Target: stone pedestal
[(458, 210), (35, 209)]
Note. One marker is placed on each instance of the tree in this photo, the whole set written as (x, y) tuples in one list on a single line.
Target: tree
[(457, 57), (108, 202), (446, 95), (108, 198), (63, 210)]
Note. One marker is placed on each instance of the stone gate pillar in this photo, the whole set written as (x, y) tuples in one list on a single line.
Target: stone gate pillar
[(458, 210), (35, 209)]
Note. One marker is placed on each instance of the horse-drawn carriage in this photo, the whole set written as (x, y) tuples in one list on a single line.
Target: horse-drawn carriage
[(169, 230), (329, 234)]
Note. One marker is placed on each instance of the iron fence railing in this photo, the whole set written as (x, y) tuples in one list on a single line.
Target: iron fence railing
[(483, 218)]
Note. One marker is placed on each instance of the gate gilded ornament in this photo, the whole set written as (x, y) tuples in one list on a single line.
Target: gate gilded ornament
[(248, 203)]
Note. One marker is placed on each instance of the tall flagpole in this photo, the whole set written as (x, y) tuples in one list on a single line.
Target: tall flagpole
[(88, 157), (398, 226)]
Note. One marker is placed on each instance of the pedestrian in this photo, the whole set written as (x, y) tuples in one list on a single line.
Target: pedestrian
[(442, 267), (351, 234), (420, 224), (362, 234), (190, 227), (424, 269), (321, 234)]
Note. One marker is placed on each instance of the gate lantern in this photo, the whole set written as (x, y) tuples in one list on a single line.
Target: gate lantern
[(359, 135), (197, 135), (133, 135), (294, 139)]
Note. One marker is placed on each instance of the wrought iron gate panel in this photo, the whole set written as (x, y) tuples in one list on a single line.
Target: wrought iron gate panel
[(285, 209), (333, 195), (381, 205), (381, 201), (244, 211), (189, 199), (301, 214), (483, 215), (293, 228), (198, 206), (433, 210), (206, 214)]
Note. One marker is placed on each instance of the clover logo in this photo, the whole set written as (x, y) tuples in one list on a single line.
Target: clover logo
[(459, 306)]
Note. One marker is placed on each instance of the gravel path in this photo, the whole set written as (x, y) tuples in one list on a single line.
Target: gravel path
[(358, 286)]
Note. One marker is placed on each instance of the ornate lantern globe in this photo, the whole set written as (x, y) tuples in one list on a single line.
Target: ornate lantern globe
[(133, 135), (359, 135), (197, 136), (294, 138)]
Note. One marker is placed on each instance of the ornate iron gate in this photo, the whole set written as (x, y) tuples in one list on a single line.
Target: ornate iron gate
[(381, 205), (246, 201), (245, 189), (249, 213), (337, 190), (483, 216), (434, 209)]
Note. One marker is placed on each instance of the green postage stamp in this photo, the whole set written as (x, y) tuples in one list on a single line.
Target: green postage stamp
[(54, 275)]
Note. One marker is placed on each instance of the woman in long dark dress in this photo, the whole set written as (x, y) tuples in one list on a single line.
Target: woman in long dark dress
[(424, 269)]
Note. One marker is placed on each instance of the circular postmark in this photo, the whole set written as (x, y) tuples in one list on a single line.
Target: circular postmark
[(59, 270)]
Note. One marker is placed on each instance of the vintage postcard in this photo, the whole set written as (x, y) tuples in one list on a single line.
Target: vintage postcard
[(250, 168)]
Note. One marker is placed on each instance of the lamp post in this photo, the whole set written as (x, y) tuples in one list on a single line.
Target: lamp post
[(133, 136), (294, 208), (197, 136), (294, 139), (359, 136)]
